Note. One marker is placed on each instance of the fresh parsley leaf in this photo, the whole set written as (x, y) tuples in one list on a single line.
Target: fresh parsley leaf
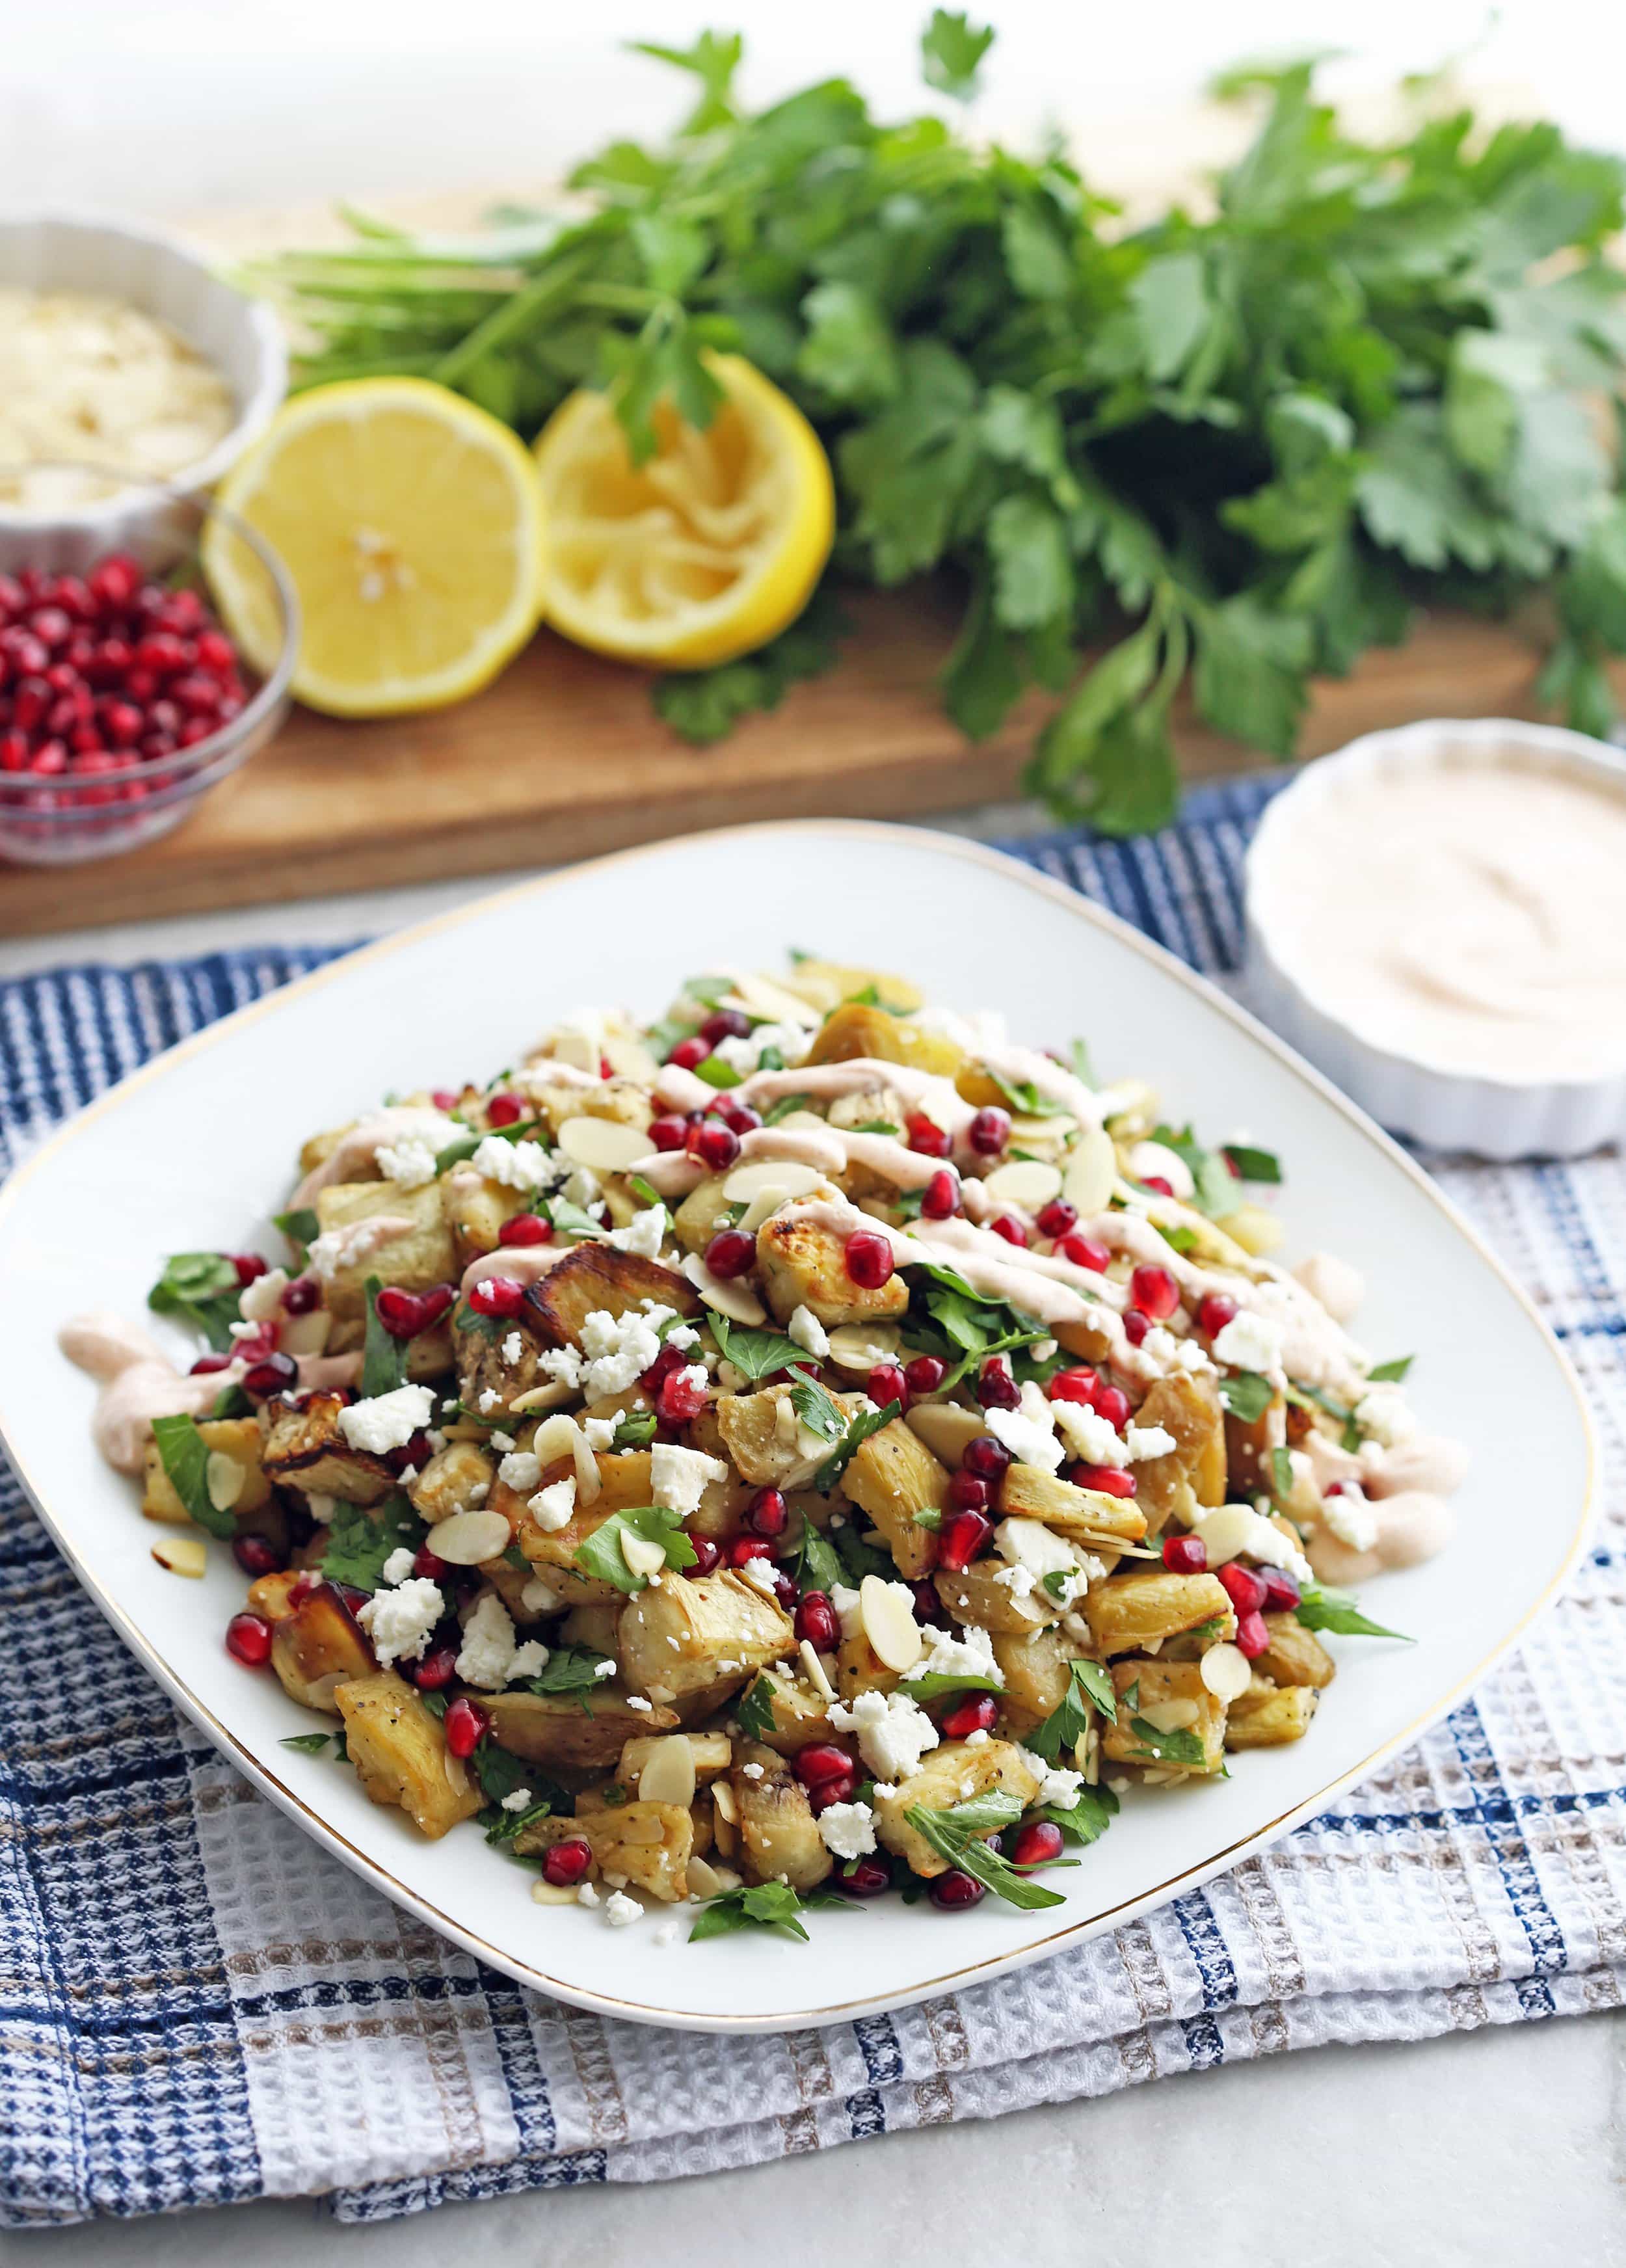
[(469, 1321), (309, 1744), (360, 1540), (956, 1835), (600, 1553), (1246, 1395), (1087, 1819), (570, 1670), (184, 1455), (936, 1682), (232, 1401), (876, 1126), (635, 1429), (951, 47), (704, 705), (1078, 1058), (765, 1905), (645, 1191), (866, 1422), (786, 1107), (1179, 1747), (384, 1358), (1391, 1372), (570, 1220), (1089, 1687), (503, 1826), (860, 1554), (755, 1354), (1215, 1190), (755, 1709), (301, 1227), (465, 1146), (1319, 1608), (717, 1072), (500, 1771), (1024, 1096), (1281, 1475), (202, 1289), (816, 1566), (817, 1409), (1252, 1164)]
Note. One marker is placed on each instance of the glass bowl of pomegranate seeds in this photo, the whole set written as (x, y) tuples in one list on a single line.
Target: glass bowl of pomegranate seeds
[(123, 699)]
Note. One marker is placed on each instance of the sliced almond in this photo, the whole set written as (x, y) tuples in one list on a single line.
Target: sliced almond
[(764, 997), (605, 1145), (306, 1333), (573, 1047), (1029, 1182), (1225, 1671), (1090, 1172), (1172, 1716), (946, 1429), (630, 1059), (643, 1556), (706, 1880), (638, 1830), (224, 1478), (669, 1775), (723, 1801), (732, 1297), (563, 1894), (560, 1436), (803, 1122), (182, 1554), (1046, 1132), (789, 1175), (886, 1612), (860, 1346), (762, 1207), (469, 1538), (816, 1674), (457, 1778)]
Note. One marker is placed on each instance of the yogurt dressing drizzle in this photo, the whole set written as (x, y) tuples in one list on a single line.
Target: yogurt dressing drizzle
[(357, 1148)]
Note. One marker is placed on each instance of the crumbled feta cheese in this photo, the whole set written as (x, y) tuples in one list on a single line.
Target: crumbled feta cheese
[(619, 1909), (1020, 1581), (1234, 1531), (338, 1249), (410, 1164), (665, 1935), (1087, 1433), (513, 1347), (261, 1301), (387, 1421), (583, 1188), (1351, 1518), (1160, 1347), (1249, 1342), (846, 1605), (744, 1054), (679, 1477), (398, 1566), (599, 1433), (637, 1701), (530, 1660), (682, 1336), (1189, 1356), (969, 1651), (486, 1654), (1032, 1442), (539, 1598), (517, 1798), (809, 1333), (553, 1507), (500, 1441), (619, 1348), (523, 1166), (846, 1830), (1059, 1786), (488, 1400), (587, 1895), (399, 1620), (643, 1234), (893, 1731), (604, 1668), (520, 1471), (762, 1575), (1149, 1441), (562, 1365), (1384, 1412)]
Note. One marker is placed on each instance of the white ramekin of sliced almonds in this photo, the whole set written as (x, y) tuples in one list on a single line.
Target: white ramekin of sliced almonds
[(124, 357)]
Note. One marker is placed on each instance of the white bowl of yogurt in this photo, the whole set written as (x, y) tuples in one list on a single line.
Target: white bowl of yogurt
[(1437, 917)]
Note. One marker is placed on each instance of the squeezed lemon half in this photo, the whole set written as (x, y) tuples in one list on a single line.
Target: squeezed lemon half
[(706, 551), (411, 524)]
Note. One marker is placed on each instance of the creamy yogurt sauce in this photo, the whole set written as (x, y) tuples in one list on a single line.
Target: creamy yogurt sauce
[(1467, 915)]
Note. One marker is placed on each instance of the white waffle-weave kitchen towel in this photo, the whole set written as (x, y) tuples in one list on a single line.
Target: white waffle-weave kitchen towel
[(197, 2005)]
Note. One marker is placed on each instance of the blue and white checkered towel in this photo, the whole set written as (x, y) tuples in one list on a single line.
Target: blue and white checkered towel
[(197, 2005)]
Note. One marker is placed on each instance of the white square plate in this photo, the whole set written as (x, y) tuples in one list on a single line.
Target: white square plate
[(198, 1150)]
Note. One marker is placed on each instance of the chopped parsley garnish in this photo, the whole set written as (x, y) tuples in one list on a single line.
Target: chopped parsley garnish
[(1025, 1097), (1089, 1687), (1087, 1819), (866, 1422), (455, 1153), (764, 1905), (570, 1670), (1251, 1165), (301, 1227), (635, 1429), (1215, 1190), (310, 1744), (875, 1126), (785, 1108), (755, 1354), (600, 1554), (384, 1356), (755, 1710), (936, 1682), (956, 1835), (817, 1409), (1390, 1373), (202, 1288), (1319, 1608), (500, 1771), (1246, 1395), (816, 1566), (1179, 1747), (360, 1540), (1281, 1475), (184, 1455), (717, 1072)]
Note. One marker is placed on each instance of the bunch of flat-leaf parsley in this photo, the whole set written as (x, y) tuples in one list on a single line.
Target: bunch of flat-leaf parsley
[(1236, 449)]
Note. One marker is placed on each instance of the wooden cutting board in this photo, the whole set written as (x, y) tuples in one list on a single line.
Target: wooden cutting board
[(564, 757)]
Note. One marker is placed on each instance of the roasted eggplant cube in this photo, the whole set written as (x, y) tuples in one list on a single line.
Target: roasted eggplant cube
[(306, 1449), (399, 1749)]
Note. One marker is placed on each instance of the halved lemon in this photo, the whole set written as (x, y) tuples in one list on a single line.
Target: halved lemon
[(709, 549), (410, 522)]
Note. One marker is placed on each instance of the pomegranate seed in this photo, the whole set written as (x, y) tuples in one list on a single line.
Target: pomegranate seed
[(865, 1878), (1080, 1385), (1281, 1593), (428, 1564), (527, 1228), (886, 1383), (505, 1110), (681, 1398), (161, 652), (987, 1458), (1058, 1217), (566, 1864), (926, 1136), (114, 582), (400, 1312), (979, 1714), (497, 1295), (829, 1792), (1185, 1555), (50, 626), (669, 1133), (1158, 1185), (731, 1251), (257, 1555), (940, 1200), (995, 1385), (1215, 1310), (446, 1098), (690, 1052), (437, 1669), (967, 1492), (467, 1725), (955, 1891), (1039, 1843), (706, 1555), (255, 1349), (302, 1296), (988, 1133), (1113, 1404), (928, 1606), (13, 751), (1085, 1252), (1136, 1326), (666, 1361), (248, 1637), (924, 1374), (1242, 1588), (49, 759), (270, 1376), (785, 1590), (739, 1116), (713, 1144), (821, 1762), (869, 1260), (961, 1539), (1155, 1292), (816, 1623), (1252, 1637), (1106, 1480), (767, 1513), (1007, 1225), (206, 1363), (725, 1024), (216, 654)]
